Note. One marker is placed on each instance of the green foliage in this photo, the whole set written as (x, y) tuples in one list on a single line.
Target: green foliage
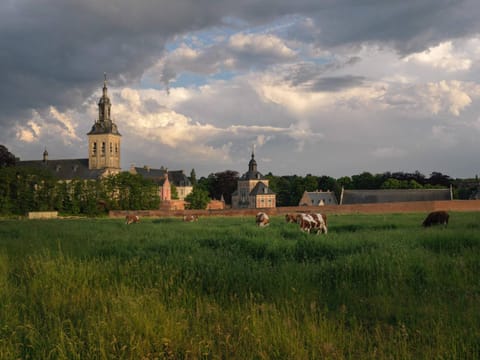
[(30, 189), (173, 192), (6, 157), (193, 177), (375, 287), (198, 198)]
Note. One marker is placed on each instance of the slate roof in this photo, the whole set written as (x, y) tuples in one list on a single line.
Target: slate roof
[(66, 169), (393, 195), (104, 127), (176, 177), (261, 189), (316, 198)]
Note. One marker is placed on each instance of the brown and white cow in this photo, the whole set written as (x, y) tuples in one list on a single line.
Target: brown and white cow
[(306, 222), (130, 219), (190, 218), (313, 223), (320, 223), (262, 219), (436, 218)]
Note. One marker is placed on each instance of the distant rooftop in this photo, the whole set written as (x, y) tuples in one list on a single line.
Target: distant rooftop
[(393, 195)]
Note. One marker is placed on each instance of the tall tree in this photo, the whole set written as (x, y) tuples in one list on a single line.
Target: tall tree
[(6, 157), (437, 178), (198, 198), (225, 183), (193, 177)]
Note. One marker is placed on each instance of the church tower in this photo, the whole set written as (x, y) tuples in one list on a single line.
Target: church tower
[(104, 138), (252, 189)]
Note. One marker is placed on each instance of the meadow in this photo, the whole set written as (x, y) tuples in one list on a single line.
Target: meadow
[(374, 287)]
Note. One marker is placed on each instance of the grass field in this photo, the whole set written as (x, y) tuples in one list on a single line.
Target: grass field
[(375, 287)]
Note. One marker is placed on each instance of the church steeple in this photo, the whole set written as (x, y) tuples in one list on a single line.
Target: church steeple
[(104, 124), (104, 104), (252, 165), (104, 138)]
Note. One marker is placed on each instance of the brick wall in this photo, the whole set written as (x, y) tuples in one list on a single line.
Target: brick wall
[(397, 207)]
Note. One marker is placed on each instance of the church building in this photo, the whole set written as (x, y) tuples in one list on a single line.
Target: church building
[(252, 190), (104, 143)]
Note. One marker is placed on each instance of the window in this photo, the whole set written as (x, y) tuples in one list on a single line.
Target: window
[(94, 148), (111, 148), (103, 148)]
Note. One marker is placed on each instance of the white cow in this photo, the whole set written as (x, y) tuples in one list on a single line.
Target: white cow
[(262, 219)]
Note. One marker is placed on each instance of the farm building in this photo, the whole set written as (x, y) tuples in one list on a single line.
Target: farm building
[(318, 198), (349, 197), (164, 179)]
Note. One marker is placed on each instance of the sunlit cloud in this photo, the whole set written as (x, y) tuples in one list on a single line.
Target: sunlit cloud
[(443, 56)]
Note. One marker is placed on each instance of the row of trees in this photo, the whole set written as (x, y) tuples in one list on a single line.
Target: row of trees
[(27, 189), (289, 189), (23, 190)]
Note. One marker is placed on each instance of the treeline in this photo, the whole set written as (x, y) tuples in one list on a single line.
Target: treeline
[(29, 189), (289, 189)]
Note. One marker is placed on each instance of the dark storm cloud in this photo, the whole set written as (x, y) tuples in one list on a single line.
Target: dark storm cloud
[(310, 76), (54, 52), (336, 83), (408, 26)]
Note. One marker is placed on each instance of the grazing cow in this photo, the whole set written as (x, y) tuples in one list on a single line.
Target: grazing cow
[(306, 222), (320, 223), (190, 218), (436, 218), (130, 219), (313, 222), (262, 219), (291, 218)]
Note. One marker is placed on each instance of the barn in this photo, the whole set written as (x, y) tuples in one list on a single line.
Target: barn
[(318, 198), (351, 197)]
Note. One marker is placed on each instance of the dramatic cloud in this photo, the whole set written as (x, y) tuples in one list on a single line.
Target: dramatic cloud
[(324, 87)]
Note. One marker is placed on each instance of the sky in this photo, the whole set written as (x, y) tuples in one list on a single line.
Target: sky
[(321, 87)]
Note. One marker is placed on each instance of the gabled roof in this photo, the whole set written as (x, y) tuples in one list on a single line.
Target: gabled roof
[(67, 169), (316, 198), (176, 177), (393, 195), (156, 175), (261, 189)]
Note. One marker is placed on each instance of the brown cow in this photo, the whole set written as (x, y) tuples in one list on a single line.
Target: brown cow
[(190, 218), (262, 219), (130, 219), (436, 218)]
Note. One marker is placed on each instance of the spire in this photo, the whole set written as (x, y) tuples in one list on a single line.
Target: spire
[(105, 84), (104, 123), (104, 104), (252, 165)]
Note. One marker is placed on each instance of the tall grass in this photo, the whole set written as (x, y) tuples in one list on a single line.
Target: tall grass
[(375, 287)]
